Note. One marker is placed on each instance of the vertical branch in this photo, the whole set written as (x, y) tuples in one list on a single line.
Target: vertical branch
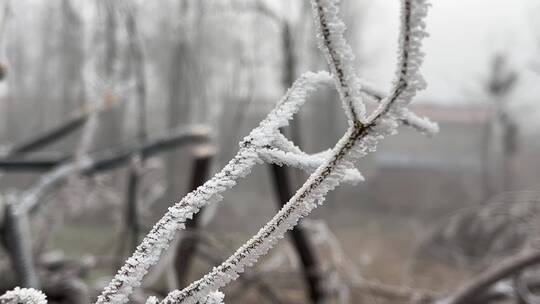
[(132, 211), (187, 247), (110, 121), (308, 258), (289, 74), (180, 90), (160, 236), (71, 43), (282, 182), (137, 161), (339, 57), (361, 137), (15, 237), (110, 39)]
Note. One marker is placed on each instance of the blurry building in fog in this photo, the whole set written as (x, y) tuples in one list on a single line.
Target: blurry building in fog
[(447, 171), (415, 172)]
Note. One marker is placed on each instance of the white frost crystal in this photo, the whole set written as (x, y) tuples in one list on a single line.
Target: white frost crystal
[(266, 144), (159, 238), (332, 167), (23, 295)]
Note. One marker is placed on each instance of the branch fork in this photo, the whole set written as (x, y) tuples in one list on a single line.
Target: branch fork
[(266, 144)]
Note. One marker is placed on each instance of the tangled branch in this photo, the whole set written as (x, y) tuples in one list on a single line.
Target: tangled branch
[(265, 143)]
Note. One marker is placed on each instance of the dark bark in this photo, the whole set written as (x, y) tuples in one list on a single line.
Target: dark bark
[(111, 158), (282, 183), (479, 286), (15, 239), (117, 158), (132, 212), (50, 136), (186, 249), (137, 161), (310, 265), (37, 164)]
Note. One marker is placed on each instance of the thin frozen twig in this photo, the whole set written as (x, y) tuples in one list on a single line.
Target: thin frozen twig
[(360, 139), (159, 238)]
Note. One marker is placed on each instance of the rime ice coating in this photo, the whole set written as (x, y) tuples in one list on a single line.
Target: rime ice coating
[(159, 238), (361, 138), (339, 57), (215, 297), (23, 295), (266, 144)]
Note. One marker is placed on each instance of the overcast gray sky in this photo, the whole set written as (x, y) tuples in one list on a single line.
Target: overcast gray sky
[(464, 36)]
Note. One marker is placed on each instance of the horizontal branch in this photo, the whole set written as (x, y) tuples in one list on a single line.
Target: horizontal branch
[(113, 158), (110, 158), (394, 293), (50, 136), (482, 283), (34, 164), (88, 164)]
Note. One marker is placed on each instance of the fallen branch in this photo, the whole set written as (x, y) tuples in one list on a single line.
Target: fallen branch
[(480, 285)]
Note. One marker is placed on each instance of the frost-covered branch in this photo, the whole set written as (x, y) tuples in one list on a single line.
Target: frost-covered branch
[(361, 137), (159, 238), (215, 297), (306, 162), (339, 57), (266, 143), (408, 118), (23, 295)]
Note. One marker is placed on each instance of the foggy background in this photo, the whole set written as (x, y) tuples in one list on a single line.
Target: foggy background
[(221, 66)]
